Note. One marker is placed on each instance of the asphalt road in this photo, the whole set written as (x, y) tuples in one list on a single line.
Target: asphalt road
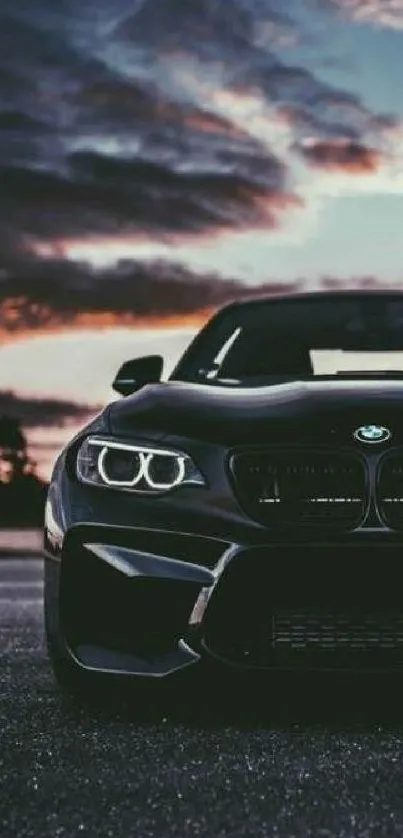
[(312, 759)]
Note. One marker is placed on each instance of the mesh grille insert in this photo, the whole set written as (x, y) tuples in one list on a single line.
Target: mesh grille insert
[(311, 488), (390, 490), (337, 631)]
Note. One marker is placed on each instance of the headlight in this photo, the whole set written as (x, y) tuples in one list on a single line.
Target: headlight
[(121, 465)]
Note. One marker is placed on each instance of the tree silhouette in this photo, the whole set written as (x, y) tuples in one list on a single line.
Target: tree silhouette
[(22, 492)]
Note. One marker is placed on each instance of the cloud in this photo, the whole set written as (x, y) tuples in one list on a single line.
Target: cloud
[(387, 13), (15, 87), (129, 106), (35, 413), (45, 296), (162, 128), (50, 295), (343, 155), (91, 151), (235, 24), (104, 194)]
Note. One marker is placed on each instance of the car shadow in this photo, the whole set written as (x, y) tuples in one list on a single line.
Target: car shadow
[(334, 702)]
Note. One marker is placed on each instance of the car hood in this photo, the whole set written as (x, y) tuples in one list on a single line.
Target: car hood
[(314, 410)]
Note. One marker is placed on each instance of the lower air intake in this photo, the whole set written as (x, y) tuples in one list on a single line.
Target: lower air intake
[(337, 632)]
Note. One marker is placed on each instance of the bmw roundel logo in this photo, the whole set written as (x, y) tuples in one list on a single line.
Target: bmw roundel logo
[(372, 433)]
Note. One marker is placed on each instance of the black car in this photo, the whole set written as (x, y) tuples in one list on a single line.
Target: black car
[(248, 510)]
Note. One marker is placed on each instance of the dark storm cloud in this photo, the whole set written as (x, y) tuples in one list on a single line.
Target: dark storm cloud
[(20, 38), (137, 108), (109, 194), (202, 25), (15, 87), (238, 26), (42, 412), (15, 122), (173, 178), (232, 35), (106, 125), (54, 294)]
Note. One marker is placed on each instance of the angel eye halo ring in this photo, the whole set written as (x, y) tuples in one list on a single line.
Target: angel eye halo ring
[(143, 471), (140, 468)]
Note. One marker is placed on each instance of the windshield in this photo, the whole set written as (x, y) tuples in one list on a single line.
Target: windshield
[(298, 338)]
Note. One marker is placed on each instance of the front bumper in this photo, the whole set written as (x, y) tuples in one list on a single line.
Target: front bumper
[(148, 602)]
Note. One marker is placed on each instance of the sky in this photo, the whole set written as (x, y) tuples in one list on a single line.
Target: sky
[(158, 157)]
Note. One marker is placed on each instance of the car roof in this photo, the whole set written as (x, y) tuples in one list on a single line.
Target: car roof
[(315, 294)]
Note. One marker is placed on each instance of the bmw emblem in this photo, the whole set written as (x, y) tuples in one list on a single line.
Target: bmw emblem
[(372, 434)]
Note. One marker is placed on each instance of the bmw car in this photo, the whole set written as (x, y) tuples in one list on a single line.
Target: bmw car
[(245, 511)]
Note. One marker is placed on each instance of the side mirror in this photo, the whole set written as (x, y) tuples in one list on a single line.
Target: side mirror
[(136, 373)]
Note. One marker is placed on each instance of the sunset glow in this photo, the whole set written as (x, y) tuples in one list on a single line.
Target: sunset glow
[(154, 167)]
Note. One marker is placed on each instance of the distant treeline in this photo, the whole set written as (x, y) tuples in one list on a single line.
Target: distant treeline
[(22, 492)]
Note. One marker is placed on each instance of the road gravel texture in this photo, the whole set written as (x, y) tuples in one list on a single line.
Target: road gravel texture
[(213, 758)]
